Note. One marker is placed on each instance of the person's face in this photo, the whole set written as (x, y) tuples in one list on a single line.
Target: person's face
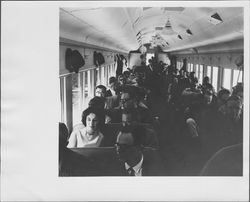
[(222, 100), (113, 86), (126, 101), (240, 94), (181, 73), (185, 74), (138, 78), (234, 109), (127, 119), (121, 80), (100, 92), (208, 98), (124, 146), (91, 123)]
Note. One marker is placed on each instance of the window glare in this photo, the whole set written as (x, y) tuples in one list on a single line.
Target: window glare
[(75, 98), (237, 77), (227, 79), (209, 71), (215, 77), (196, 70), (192, 67), (201, 74)]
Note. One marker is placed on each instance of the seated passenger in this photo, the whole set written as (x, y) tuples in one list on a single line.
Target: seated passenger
[(110, 101), (205, 84), (112, 87), (126, 75), (100, 91), (135, 160), (121, 80), (238, 90), (99, 103), (128, 101), (89, 136), (71, 163), (222, 97), (129, 119), (198, 111)]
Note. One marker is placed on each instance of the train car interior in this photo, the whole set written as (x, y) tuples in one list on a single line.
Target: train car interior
[(169, 78)]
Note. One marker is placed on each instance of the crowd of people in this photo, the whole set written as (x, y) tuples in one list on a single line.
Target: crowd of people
[(160, 107)]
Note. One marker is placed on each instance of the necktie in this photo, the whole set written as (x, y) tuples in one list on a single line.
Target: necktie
[(131, 171)]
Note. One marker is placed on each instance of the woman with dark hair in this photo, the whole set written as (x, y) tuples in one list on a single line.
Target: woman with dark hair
[(90, 135)]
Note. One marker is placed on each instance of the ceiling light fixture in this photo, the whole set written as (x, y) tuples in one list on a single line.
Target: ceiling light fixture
[(167, 29)]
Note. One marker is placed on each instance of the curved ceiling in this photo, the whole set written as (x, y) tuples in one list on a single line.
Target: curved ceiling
[(127, 28)]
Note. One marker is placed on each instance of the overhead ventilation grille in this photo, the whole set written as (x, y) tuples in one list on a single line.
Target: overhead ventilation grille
[(189, 32), (179, 36), (215, 19)]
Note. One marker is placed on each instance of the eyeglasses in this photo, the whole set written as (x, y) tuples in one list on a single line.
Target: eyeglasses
[(125, 100), (122, 146)]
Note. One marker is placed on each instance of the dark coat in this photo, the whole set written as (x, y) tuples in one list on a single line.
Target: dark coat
[(151, 166)]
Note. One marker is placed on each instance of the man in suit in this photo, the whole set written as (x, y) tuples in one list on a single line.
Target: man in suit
[(135, 159)]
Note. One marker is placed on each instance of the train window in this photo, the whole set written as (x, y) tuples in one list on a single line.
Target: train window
[(98, 76), (84, 90), (227, 78), (178, 65), (167, 61), (201, 74), (215, 78), (237, 77), (86, 84), (191, 67), (148, 56), (109, 72), (106, 76), (63, 98), (197, 70), (76, 97), (209, 71), (102, 74)]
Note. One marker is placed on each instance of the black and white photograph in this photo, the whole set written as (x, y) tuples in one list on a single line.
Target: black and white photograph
[(134, 100), (162, 96)]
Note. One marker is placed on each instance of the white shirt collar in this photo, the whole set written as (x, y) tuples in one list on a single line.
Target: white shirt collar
[(137, 168)]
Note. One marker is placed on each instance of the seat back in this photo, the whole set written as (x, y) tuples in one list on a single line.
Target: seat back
[(110, 132), (105, 157)]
